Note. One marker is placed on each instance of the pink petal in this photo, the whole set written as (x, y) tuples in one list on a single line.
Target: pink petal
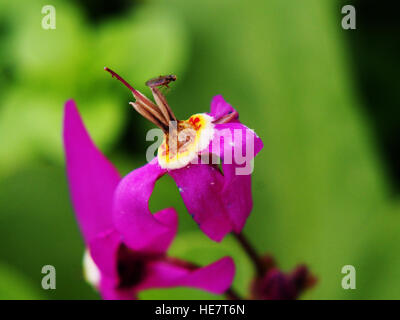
[(235, 143), (109, 291), (239, 144), (216, 277), (92, 178), (245, 144), (200, 186), (140, 229), (220, 108), (104, 252), (237, 196)]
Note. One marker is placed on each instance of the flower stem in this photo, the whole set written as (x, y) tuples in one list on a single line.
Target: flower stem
[(251, 252), (231, 294)]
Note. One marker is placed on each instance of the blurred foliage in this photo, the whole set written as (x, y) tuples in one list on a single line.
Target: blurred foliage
[(37, 228), (374, 55), (13, 285), (321, 189), (49, 66)]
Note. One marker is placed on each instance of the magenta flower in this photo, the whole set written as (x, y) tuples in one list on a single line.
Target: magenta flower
[(219, 202), (121, 264)]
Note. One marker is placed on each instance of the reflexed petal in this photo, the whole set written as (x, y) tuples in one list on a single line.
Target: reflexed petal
[(220, 108), (140, 229), (92, 178), (236, 145), (237, 196), (200, 186), (216, 277)]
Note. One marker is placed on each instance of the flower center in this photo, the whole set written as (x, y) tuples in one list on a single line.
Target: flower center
[(184, 140), (132, 266)]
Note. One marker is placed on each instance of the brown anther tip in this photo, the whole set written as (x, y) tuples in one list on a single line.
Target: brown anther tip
[(124, 82), (111, 72), (160, 114)]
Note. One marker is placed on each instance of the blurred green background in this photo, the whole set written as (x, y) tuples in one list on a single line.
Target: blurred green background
[(324, 100)]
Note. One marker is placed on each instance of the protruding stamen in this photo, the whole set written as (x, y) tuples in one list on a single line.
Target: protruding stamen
[(163, 104), (117, 76), (160, 104), (136, 94), (144, 106), (146, 114), (154, 111)]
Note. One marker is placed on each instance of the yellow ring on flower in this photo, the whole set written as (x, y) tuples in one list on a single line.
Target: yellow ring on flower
[(184, 141)]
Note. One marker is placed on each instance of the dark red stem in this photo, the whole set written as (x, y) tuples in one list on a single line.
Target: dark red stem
[(251, 252), (117, 76), (232, 295)]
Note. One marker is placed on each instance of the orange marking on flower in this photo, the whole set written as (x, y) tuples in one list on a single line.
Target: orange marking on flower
[(182, 145), (194, 122)]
